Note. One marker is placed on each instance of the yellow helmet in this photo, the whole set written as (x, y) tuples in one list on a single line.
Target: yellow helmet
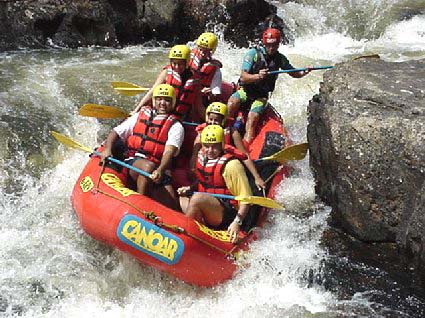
[(164, 90), (212, 134), (217, 108), (180, 52), (207, 40)]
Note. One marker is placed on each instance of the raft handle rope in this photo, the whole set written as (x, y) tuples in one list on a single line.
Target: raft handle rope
[(158, 221)]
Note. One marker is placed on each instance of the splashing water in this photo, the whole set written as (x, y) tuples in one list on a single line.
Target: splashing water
[(50, 268)]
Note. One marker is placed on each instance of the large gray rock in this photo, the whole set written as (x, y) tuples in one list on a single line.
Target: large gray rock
[(74, 23), (366, 134)]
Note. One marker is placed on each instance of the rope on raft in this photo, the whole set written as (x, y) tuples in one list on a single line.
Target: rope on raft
[(157, 221)]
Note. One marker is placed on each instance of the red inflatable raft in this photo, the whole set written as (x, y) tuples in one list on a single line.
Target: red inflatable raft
[(111, 212)]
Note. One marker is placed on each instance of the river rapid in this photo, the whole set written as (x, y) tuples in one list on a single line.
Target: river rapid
[(50, 268)]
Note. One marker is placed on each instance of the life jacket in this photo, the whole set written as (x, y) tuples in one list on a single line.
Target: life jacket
[(228, 140), (150, 134), (203, 70), (185, 92), (209, 172), (263, 87)]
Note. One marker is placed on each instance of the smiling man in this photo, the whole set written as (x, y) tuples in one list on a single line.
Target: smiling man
[(154, 137)]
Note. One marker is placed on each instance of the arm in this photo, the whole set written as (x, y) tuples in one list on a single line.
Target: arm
[(285, 65), (300, 73), (107, 151), (172, 147), (237, 139), (234, 227), (247, 78), (216, 83), (196, 147), (248, 62), (169, 152), (237, 182), (123, 131), (148, 97)]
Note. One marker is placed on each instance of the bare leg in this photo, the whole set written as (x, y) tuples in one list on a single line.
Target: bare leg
[(251, 125), (166, 195), (184, 203), (205, 208), (143, 183), (233, 105)]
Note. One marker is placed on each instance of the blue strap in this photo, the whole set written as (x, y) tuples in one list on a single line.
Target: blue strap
[(300, 69)]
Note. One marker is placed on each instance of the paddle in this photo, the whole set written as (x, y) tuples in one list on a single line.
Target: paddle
[(74, 144), (102, 111), (293, 152), (110, 112), (128, 89), (266, 202), (321, 67), (300, 69)]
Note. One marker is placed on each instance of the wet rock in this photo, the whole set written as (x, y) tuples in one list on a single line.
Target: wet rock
[(247, 19), (367, 149), (353, 267), (74, 23)]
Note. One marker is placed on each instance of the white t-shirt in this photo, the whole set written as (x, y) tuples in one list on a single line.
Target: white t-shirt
[(216, 82), (175, 134)]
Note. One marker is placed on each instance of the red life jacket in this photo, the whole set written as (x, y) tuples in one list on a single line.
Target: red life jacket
[(228, 140), (150, 134), (185, 92), (203, 70), (210, 172)]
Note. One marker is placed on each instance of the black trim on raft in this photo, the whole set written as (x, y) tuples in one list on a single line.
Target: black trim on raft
[(274, 142)]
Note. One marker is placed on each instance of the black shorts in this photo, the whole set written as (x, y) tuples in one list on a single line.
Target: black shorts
[(166, 178), (228, 216)]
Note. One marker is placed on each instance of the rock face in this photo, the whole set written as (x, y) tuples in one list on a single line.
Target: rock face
[(74, 23), (366, 134)]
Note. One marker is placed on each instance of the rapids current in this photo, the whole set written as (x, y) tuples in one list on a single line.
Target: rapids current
[(50, 268)]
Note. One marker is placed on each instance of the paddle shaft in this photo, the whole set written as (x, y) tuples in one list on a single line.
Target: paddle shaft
[(300, 69), (121, 163), (96, 110), (217, 195)]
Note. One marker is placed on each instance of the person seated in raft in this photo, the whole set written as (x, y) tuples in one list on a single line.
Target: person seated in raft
[(216, 114), (154, 137), (178, 75), (218, 170), (255, 83), (206, 68)]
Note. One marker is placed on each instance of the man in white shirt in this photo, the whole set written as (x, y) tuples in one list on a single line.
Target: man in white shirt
[(154, 137)]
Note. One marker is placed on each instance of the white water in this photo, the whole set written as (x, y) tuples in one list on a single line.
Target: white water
[(50, 268)]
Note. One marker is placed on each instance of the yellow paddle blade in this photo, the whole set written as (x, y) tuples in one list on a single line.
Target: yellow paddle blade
[(69, 142), (125, 85), (128, 89), (294, 152), (102, 111), (266, 202)]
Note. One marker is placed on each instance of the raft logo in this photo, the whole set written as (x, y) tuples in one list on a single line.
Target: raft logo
[(218, 235), (86, 184), (115, 183), (150, 239)]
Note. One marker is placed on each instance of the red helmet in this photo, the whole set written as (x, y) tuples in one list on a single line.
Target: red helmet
[(271, 35)]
